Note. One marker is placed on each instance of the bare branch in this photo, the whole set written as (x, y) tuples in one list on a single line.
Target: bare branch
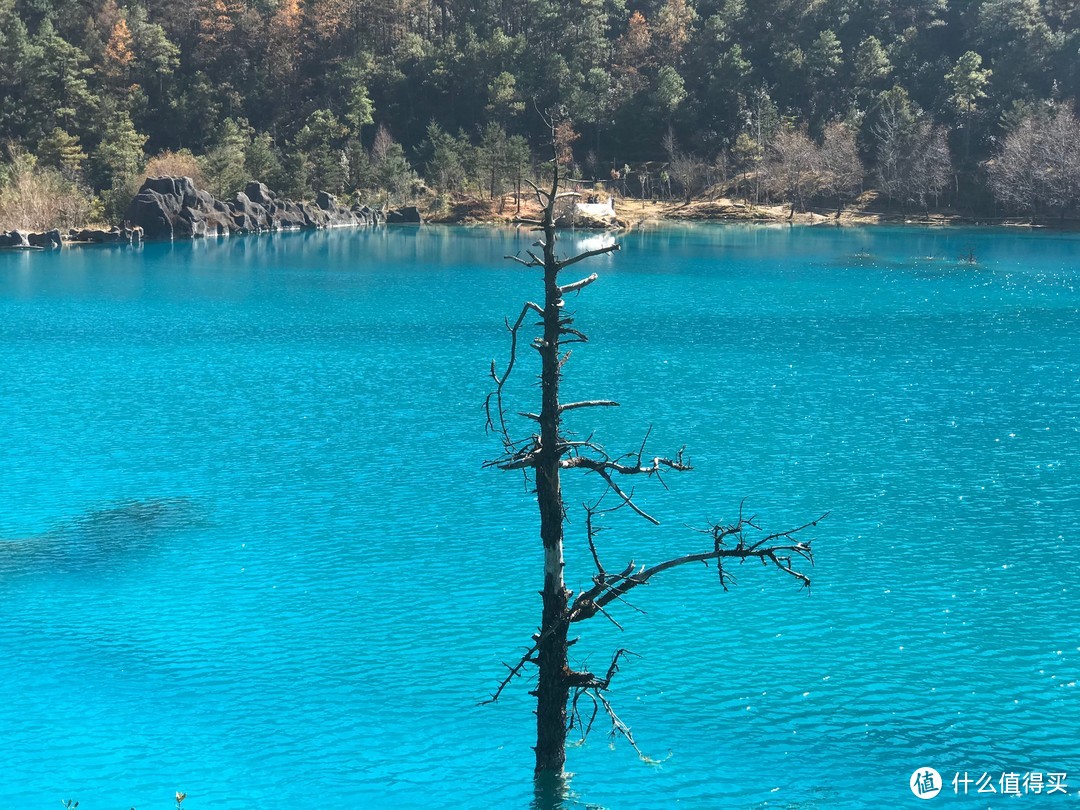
[(513, 673), (641, 450), (605, 466), (539, 191), (496, 395), (588, 254), (589, 403), (590, 533), (530, 263), (781, 555), (595, 692), (628, 498), (786, 534), (581, 336), (578, 285)]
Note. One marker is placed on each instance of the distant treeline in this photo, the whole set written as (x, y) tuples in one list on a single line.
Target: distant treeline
[(932, 102)]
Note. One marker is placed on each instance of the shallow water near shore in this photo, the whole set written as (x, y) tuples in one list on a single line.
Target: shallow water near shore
[(247, 549)]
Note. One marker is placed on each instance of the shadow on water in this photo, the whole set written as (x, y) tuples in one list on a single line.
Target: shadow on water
[(100, 537)]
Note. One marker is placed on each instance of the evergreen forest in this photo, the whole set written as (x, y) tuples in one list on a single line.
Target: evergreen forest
[(932, 103)]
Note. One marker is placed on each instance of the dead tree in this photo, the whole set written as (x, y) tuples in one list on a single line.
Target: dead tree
[(543, 455)]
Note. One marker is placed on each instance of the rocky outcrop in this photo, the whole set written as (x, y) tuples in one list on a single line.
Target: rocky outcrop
[(114, 236), (373, 216), (50, 239), (409, 215), (15, 239), (173, 208)]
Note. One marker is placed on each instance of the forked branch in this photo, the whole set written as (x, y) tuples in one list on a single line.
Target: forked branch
[(605, 467), (595, 692)]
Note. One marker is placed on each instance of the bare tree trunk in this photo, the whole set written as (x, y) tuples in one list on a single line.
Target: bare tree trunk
[(559, 688), (552, 689)]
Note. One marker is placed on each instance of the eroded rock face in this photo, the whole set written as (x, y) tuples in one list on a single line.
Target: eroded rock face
[(55, 240), (259, 193), (173, 208)]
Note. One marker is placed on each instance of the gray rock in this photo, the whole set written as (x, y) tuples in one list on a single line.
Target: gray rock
[(259, 193), (156, 213), (49, 239), (173, 208), (409, 215), (16, 239), (248, 216)]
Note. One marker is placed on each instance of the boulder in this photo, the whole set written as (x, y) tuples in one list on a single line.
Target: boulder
[(285, 215), (365, 215), (16, 239), (111, 237), (154, 212), (49, 239), (409, 215), (248, 216), (314, 217), (259, 193), (337, 215)]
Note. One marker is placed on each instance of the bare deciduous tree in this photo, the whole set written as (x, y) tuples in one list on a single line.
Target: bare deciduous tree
[(913, 159), (795, 170), (543, 452), (929, 165), (841, 166), (1015, 175), (1038, 164), (687, 170), (1059, 156)]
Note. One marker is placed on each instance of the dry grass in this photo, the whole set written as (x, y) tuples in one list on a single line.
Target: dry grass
[(174, 164), (33, 199)]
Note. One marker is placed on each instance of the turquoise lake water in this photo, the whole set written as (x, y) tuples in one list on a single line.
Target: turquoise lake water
[(247, 549)]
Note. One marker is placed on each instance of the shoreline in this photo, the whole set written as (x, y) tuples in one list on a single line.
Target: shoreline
[(631, 214)]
